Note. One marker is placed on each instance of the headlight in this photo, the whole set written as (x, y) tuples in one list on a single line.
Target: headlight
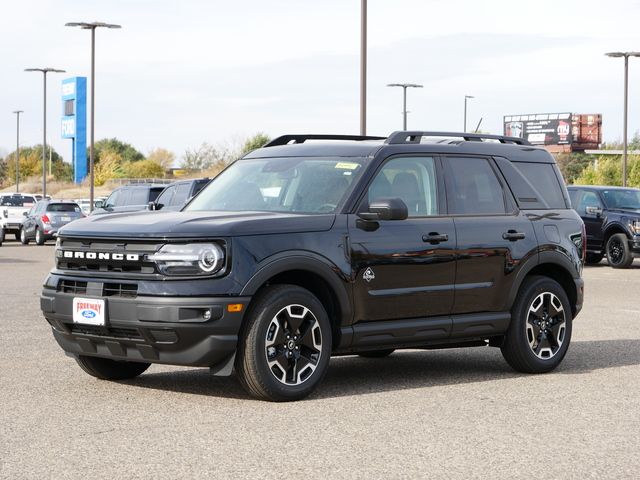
[(635, 226), (190, 259)]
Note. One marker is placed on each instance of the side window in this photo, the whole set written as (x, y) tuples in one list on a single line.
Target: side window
[(412, 179), (166, 195), (138, 196), (589, 199), (182, 193), (473, 188)]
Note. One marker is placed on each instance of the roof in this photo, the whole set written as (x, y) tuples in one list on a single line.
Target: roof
[(449, 143)]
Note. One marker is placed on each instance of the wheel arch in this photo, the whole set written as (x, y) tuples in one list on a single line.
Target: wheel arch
[(313, 273), (555, 266), (612, 229)]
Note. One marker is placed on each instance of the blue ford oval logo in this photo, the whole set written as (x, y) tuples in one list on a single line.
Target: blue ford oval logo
[(88, 314)]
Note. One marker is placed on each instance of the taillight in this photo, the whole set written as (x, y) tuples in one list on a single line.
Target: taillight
[(45, 219), (584, 243)]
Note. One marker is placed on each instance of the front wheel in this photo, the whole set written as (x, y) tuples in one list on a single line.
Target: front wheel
[(107, 369), (23, 237), (619, 254), (540, 330), (285, 345)]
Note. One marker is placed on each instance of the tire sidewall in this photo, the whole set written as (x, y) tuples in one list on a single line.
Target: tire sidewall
[(521, 314), (23, 237), (39, 237), (260, 323)]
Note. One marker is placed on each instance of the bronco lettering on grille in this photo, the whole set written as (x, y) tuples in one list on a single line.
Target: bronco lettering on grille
[(122, 257)]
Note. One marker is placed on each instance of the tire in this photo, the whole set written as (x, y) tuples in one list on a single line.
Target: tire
[(107, 369), (285, 326), (1, 236), (39, 237), (618, 252), (23, 237), (17, 235), (536, 342), (377, 353), (594, 258)]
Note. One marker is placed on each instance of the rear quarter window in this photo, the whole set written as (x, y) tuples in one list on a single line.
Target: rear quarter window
[(536, 186)]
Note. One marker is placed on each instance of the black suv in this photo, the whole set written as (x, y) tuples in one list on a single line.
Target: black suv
[(177, 194), (344, 245), (612, 219)]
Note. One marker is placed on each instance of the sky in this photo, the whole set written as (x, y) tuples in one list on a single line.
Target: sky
[(181, 73)]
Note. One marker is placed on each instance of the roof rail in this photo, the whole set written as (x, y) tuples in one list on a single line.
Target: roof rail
[(286, 139), (401, 136)]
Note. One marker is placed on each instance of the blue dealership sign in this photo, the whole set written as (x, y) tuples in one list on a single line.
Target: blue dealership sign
[(74, 122)]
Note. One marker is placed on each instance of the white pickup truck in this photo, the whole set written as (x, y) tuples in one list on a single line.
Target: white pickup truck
[(12, 208)]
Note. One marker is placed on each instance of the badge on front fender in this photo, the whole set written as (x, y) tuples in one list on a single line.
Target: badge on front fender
[(368, 275)]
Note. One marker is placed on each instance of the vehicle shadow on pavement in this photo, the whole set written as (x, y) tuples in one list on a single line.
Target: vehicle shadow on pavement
[(352, 375)]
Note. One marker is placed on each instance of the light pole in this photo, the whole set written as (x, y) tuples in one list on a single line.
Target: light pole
[(92, 26), (363, 67), (404, 98), (466, 97), (18, 112), (626, 56), (44, 132)]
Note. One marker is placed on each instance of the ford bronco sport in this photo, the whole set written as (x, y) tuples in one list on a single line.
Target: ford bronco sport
[(322, 245)]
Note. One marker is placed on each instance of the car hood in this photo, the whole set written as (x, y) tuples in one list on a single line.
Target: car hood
[(633, 212), (195, 224)]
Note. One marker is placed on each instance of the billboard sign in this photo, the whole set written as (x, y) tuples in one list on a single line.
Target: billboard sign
[(540, 128)]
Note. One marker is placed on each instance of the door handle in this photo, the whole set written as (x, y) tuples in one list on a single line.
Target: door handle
[(512, 235), (435, 238)]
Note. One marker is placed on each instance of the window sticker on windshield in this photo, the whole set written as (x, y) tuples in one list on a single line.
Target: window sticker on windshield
[(346, 165)]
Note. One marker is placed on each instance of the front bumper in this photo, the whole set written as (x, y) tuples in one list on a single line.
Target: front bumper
[(634, 244), (149, 329)]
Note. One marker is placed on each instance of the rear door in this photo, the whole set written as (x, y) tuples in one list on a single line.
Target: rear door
[(493, 236), (405, 268)]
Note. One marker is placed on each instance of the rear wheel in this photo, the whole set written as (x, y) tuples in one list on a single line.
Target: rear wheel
[(39, 237), (377, 353), (285, 344), (107, 369), (618, 252), (540, 330), (23, 237), (17, 235)]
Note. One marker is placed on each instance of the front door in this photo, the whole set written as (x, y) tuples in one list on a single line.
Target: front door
[(404, 268)]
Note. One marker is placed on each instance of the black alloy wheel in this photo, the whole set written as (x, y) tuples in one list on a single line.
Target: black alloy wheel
[(618, 252)]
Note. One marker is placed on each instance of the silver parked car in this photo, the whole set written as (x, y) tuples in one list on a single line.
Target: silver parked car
[(46, 217)]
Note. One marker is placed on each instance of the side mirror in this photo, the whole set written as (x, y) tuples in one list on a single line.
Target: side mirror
[(98, 204), (597, 211), (25, 214), (386, 209), (155, 206)]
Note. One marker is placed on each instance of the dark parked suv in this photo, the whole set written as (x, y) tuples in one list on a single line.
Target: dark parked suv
[(612, 219), (176, 195), (320, 245)]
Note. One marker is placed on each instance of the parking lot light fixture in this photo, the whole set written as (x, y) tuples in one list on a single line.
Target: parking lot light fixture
[(92, 26), (626, 56), (404, 98), (44, 116), (466, 97)]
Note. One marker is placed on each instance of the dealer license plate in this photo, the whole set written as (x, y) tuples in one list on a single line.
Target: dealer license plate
[(89, 311), (65, 219)]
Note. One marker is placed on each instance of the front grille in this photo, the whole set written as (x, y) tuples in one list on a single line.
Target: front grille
[(72, 286), (129, 290), (113, 332), (79, 249)]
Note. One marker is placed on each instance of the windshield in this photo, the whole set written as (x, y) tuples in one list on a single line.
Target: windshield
[(300, 185), (621, 198)]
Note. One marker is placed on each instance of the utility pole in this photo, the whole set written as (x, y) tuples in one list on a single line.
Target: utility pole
[(363, 67), (18, 112), (404, 98)]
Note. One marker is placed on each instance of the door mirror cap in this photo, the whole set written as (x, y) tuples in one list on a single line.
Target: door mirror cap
[(98, 204), (25, 214), (597, 211), (386, 209)]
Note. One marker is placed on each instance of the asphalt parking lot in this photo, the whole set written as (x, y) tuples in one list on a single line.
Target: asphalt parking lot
[(417, 414)]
